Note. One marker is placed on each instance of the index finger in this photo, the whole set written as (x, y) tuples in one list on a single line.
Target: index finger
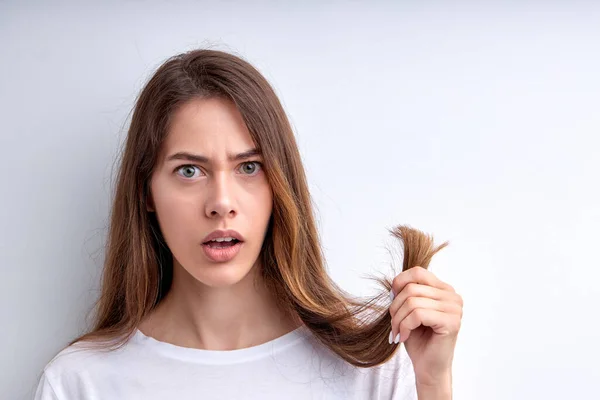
[(418, 275)]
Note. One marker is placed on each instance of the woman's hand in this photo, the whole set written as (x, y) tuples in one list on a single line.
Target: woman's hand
[(426, 317)]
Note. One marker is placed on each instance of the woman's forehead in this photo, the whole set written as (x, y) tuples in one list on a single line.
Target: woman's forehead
[(212, 128)]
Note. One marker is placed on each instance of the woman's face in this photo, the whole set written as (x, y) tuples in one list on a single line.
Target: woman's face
[(193, 197)]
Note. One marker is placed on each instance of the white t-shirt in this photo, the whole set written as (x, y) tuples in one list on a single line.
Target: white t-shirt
[(292, 366)]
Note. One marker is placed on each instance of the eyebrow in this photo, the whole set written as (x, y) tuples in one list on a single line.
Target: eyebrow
[(182, 155)]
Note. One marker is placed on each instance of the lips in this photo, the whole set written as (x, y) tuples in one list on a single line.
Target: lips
[(222, 255), (223, 234)]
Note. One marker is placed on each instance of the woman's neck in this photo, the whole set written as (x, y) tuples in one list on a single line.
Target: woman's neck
[(226, 318)]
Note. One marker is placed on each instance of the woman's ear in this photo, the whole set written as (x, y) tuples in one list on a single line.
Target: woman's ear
[(150, 204)]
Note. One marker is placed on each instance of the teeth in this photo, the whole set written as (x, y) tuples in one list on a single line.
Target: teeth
[(227, 239)]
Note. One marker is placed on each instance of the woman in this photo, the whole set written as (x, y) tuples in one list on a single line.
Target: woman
[(214, 285)]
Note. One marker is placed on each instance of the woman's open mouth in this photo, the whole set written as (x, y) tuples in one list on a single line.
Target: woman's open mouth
[(221, 245), (221, 251)]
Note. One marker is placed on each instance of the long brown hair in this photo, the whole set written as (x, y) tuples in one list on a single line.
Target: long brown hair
[(138, 265)]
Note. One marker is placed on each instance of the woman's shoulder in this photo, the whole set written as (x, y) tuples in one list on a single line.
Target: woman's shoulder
[(84, 356), (65, 375), (62, 371)]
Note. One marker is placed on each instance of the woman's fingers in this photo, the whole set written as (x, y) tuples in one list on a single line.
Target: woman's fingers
[(420, 298), (418, 275), (414, 308), (419, 290), (440, 322)]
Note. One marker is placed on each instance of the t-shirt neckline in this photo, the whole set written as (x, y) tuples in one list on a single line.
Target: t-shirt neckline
[(222, 356)]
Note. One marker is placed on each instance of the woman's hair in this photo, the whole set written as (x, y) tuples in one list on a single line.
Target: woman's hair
[(138, 267)]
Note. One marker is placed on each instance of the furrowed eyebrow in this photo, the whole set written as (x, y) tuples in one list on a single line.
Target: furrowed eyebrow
[(182, 155)]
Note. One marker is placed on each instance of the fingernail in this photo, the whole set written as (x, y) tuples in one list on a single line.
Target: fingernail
[(390, 339), (392, 295), (397, 340)]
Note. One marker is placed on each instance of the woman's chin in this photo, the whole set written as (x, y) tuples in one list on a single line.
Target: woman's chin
[(222, 275)]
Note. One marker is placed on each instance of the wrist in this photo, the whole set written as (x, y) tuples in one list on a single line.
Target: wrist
[(435, 389)]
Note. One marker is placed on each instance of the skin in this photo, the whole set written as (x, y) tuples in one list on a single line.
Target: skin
[(426, 314), (213, 306)]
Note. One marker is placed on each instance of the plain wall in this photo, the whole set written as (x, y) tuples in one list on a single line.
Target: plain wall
[(476, 121)]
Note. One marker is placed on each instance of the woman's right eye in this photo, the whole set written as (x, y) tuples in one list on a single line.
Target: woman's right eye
[(187, 171)]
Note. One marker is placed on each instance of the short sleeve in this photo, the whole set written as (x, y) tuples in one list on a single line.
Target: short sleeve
[(45, 391)]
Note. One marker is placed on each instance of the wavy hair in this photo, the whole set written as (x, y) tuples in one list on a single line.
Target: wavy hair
[(138, 266)]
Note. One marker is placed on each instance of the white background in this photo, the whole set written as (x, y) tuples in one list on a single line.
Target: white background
[(477, 122)]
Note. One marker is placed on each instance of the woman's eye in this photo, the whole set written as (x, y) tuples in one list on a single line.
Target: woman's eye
[(187, 171), (250, 167)]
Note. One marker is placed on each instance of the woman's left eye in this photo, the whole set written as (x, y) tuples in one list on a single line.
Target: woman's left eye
[(253, 166)]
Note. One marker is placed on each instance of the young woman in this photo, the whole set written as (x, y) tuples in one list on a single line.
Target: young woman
[(214, 285)]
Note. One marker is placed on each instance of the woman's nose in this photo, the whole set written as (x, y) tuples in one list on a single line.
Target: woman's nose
[(220, 202)]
